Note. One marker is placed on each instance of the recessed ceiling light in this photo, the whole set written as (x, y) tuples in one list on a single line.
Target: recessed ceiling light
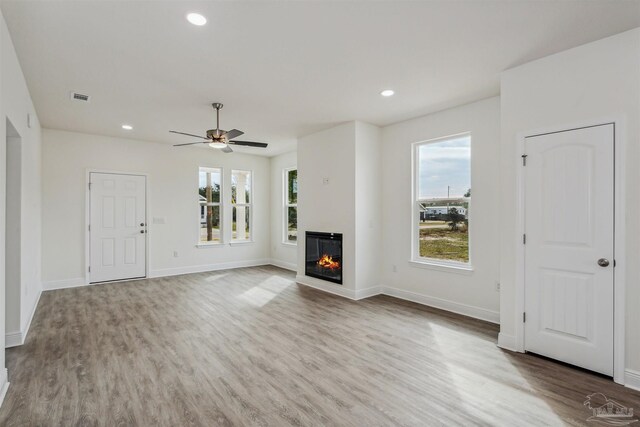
[(127, 127), (196, 19), (387, 92)]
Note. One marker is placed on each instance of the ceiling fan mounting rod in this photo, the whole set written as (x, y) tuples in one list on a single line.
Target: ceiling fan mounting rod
[(217, 106)]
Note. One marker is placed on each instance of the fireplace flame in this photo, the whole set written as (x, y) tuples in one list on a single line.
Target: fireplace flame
[(327, 262)]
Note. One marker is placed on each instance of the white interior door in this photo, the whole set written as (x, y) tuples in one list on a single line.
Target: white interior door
[(117, 227), (569, 217)]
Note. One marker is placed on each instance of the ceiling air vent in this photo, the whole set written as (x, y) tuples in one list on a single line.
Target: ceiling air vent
[(75, 96)]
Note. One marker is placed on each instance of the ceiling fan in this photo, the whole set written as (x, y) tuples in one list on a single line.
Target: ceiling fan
[(218, 138)]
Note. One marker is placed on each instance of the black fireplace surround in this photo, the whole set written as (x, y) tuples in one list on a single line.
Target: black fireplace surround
[(323, 256)]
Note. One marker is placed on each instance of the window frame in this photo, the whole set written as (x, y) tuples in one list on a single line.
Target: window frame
[(236, 241), (286, 206), (220, 204), (435, 263)]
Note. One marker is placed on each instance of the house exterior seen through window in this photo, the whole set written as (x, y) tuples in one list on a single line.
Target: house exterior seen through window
[(291, 206), (241, 196), (442, 177), (209, 194)]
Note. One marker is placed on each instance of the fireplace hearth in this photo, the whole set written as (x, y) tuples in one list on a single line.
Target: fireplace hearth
[(323, 256)]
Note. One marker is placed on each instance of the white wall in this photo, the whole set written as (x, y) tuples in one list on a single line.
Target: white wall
[(282, 254), (348, 156), (368, 207), (328, 207), (172, 194), (3, 203), (13, 233), (588, 84), (15, 104), (472, 294)]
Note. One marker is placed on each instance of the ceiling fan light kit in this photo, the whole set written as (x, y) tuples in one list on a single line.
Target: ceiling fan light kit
[(218, 138)]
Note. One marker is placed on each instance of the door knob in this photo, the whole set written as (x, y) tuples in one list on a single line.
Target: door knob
[(142, 224), (141, 231), (603, 262)]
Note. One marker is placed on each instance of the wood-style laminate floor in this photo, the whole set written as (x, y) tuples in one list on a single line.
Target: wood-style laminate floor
[(251, 347)]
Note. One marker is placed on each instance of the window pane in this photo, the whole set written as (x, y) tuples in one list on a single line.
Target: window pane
[(241, 223), (292, 224), (240, 187), (444, 195), (292, 187), (209, 187), (209, 223)]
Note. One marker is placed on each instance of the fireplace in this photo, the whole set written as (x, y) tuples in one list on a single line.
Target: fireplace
[(323, 256)]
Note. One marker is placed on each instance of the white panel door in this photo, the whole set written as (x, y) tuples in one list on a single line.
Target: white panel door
[(569, 208), (117, 227)]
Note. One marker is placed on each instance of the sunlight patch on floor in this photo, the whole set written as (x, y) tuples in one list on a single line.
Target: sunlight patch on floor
[(216, 277), (265, 291), (479, 393)]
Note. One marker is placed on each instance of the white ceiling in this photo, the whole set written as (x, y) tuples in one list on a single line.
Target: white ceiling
[(282, 69)]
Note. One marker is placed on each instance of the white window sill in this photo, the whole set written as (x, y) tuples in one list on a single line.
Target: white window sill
[(241, 242), (289, 244), (209, 245), (449, 267)]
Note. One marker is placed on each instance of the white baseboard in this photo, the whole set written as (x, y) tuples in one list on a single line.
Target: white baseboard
[(455, 307), (63, 284), (338, 289), (14, 339), (283, 264), (507, 342), (163, 272), (465, 310), (25, 329), (368, 292), (326, 286), (176, 271), (632, 379), (4, 384)]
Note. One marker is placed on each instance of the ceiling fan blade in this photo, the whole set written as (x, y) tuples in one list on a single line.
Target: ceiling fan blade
[(233, 133), (226, 149), (250, 144), (190, 143), (188, 134)]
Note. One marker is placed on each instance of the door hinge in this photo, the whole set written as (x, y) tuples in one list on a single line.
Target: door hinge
[(524, 160), (89, 186), (89, 227), (524, 239), (89, 269), (524, 317)]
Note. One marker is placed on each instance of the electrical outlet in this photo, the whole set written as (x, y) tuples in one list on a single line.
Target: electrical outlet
[(497, 286), (175, 254), (394, 268), (325, 181)]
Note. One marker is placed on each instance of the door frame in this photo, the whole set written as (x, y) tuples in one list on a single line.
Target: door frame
[(619, 275), (87, 220)]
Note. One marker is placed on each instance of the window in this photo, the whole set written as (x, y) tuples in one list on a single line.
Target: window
[(209, 189), (442, 176), (291, 205), (241, 202)]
